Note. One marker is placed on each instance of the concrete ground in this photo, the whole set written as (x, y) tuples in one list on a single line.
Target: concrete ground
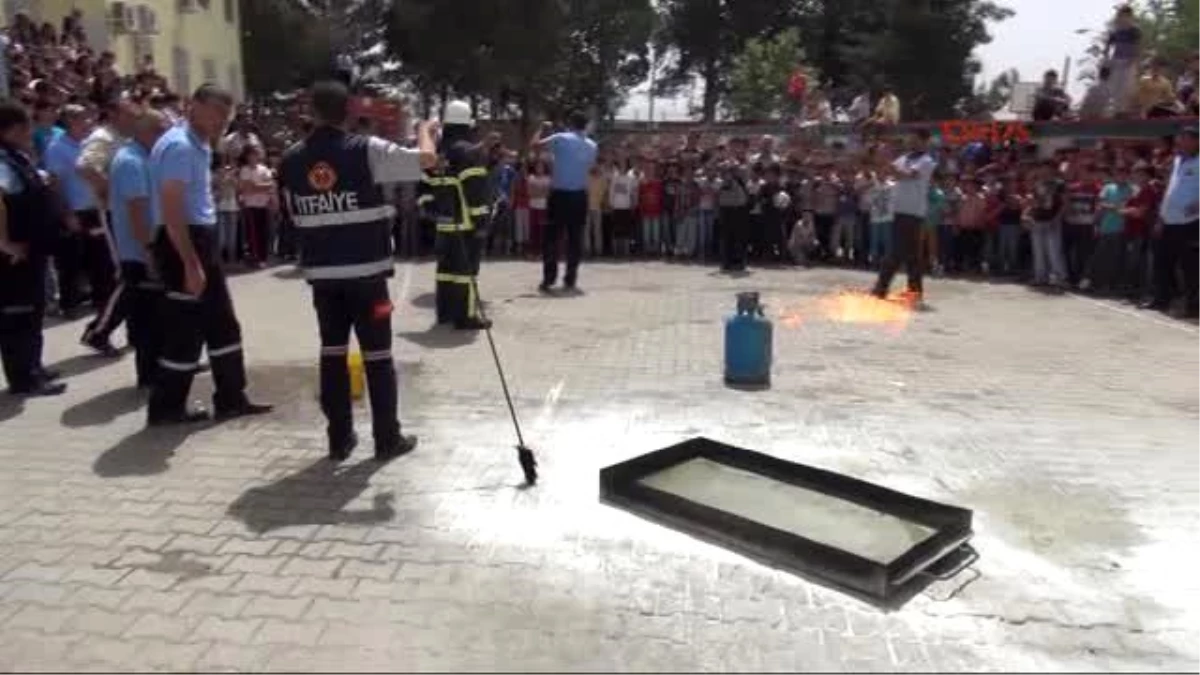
[(1068, 425)]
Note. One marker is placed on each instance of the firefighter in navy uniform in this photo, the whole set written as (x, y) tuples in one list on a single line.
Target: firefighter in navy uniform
[(459, 198), (332, 182), (27, 233)]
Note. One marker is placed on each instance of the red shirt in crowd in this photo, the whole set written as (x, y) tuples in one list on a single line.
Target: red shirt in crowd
[(521, 193), (650, 198), (1143, 209)]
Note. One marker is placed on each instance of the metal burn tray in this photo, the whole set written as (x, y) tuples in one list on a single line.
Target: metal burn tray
[(871, 542)]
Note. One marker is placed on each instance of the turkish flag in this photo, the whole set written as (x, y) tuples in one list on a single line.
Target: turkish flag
[(797, 84)]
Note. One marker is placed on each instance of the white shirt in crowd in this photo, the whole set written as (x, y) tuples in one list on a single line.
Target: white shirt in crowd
[(622, 190), (227, 193), (257, 174), (860, 108), (539, 191), (234, 143), (882, 198), (912, 194), (97, 151)]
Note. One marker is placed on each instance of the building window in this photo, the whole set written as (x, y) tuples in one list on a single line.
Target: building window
[(181, 70), (230, 11), (210, 70)]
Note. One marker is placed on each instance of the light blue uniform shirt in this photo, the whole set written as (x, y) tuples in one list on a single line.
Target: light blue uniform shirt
[(574, 154), (1115, 195), (10, 182), (128, 178), (183, 156), (61, 157), (1183, 192)]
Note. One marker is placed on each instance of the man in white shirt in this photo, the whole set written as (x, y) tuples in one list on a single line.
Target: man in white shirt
[(860, 108), (95, 156), (912, 172), (239, 137)]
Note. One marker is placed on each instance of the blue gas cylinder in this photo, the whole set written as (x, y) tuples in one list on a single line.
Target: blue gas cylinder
[(748, 343)]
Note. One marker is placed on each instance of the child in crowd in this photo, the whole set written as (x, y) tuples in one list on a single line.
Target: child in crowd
[(706, 213), (882, 216), (928, 241), (686, 216), (1104, 269), (521, 211), (972, 227), (593, 233), (256, 186), (650, 210), (228, 235), (622, 200), (539, 197)]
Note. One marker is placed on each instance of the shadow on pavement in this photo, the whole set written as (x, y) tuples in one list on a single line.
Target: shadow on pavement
[(429, 301), (424, 301), (289, 272), (315, 495), (103, 408), (84, 364), (440, 337), (145, 453), (10, 406)]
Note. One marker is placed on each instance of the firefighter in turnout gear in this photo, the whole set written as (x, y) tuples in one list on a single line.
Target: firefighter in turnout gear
[(333, 186), (459, 199)]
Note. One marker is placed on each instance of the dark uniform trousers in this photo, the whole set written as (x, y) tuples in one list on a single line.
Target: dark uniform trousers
[(86, 253), (22, 308), (567, 213), (141, 296), (906, 238), (364, 306), (1177, 249), (190, 323), (457, 264)]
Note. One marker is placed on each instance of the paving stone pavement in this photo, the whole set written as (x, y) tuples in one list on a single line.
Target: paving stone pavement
[(1069, 426)]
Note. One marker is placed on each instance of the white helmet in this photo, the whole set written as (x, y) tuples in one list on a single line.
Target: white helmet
[(458, 112), (782, 200)]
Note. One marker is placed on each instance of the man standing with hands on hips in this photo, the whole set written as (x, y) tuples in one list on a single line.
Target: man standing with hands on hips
[(333, 187), (197, 310), (574, 154), (912, 172)]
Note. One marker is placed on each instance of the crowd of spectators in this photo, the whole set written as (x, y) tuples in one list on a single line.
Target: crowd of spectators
[(805, 203), (1082, 219)]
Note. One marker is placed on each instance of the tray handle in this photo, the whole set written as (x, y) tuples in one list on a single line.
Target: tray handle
[(972, 556)]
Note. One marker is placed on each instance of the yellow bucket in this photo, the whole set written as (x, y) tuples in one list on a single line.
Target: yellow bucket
[(354, 362)]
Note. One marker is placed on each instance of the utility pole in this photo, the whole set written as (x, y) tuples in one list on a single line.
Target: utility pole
[(653, 80)]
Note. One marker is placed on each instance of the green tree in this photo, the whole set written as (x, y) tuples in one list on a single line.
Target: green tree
[(921, 49), (284, 45), (990, 98), (758, 77), (702, 38), (536, 55)]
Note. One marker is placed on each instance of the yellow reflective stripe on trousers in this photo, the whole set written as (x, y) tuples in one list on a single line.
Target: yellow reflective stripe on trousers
[(455, 227), (453, 278)]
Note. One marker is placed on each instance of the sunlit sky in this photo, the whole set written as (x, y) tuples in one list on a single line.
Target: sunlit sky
[(1039, 36)]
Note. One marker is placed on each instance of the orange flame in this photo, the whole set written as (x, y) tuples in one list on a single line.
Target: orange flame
[(855, 307)]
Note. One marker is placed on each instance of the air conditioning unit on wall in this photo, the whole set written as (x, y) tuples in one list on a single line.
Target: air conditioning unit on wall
[(122, 18), (147, 23), (189, 6)]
